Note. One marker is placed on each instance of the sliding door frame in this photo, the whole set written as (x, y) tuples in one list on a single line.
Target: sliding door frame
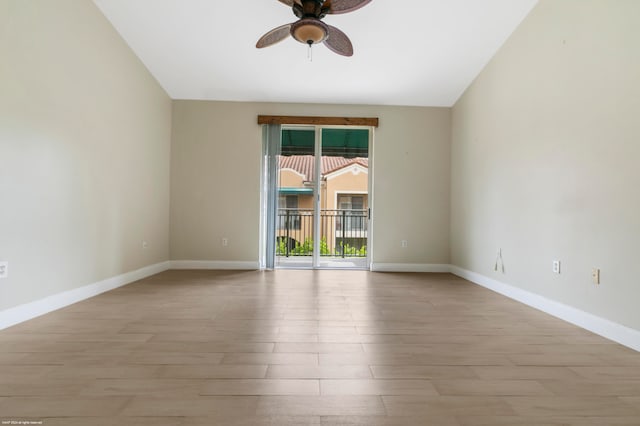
[(269, 197)]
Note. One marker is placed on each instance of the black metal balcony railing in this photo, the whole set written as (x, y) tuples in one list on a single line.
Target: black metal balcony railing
[(343, 233)]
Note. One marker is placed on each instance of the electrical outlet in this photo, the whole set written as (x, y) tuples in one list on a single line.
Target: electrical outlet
[(556, 266), (4, 269), (404, 244), (595, 275), (225, 242)]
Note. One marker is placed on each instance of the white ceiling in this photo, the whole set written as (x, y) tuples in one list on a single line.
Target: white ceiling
[(411, 52)]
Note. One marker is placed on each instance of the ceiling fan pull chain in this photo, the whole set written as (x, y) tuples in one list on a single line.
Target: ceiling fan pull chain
[(310, 53)]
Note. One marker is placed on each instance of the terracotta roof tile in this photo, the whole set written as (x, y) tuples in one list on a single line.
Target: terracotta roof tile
[(305, 164)]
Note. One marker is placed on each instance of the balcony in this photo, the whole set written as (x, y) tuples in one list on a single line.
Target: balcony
[(343, 234)]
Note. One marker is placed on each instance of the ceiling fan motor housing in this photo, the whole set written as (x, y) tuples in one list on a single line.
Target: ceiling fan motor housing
[(309, 9), (310, 31)]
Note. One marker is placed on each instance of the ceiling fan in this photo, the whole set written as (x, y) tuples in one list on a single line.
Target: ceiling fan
[(309, 28)]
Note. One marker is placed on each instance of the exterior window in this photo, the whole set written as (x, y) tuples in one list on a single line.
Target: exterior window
[(355, 217), (288, 213), (288, 202), (351, 202)]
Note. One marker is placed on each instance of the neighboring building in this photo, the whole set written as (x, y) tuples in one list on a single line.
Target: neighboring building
[(344, 203)]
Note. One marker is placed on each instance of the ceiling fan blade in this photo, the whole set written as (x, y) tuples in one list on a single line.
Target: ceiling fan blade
[(274, 36), (338, 42), (336, 7)]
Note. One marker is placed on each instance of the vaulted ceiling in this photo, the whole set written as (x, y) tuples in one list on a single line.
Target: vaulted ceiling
[(411, 52)]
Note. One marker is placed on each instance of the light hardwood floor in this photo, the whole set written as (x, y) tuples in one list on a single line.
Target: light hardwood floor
[(311, 348)]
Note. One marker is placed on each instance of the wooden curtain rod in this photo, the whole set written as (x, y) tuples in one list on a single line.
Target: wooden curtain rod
[(318, 121)]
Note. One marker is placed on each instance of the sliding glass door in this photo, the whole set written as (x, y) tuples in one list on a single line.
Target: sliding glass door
[(322, 198)]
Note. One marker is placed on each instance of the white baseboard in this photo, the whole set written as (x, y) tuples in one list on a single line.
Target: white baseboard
[(21, 313), (617, 332), (214, 264), (409, 267), (611, 330)]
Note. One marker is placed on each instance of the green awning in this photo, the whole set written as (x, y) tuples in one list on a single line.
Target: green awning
[(295, 191), (298, 142), (347, 143)]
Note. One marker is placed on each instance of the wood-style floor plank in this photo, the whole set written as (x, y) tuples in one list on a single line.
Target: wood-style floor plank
[(313, 348), (273, 387)]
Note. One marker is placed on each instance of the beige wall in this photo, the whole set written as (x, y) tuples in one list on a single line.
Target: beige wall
[(545, 158), (346, 183), (215, 140), (290, 179), (84, 151)]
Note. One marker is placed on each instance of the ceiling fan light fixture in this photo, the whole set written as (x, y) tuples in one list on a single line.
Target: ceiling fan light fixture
[(310, 31)]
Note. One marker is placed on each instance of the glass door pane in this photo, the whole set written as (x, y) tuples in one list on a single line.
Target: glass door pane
[(296, 188), (344, 198)]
